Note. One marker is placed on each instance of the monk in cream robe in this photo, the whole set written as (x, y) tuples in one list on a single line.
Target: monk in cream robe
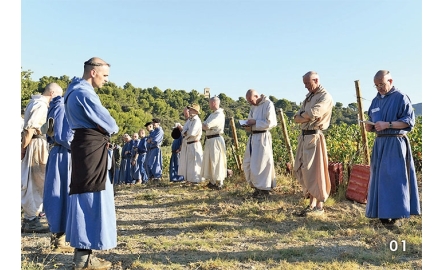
[(258, 163)]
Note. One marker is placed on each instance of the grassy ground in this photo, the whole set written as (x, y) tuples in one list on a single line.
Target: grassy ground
[(171, 226)]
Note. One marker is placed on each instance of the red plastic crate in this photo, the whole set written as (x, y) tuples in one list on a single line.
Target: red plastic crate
[(336, 175), (357, 188)]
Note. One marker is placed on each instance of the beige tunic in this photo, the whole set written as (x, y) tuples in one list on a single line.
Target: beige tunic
[(258, 163), (190, 160), (214, 164), (33, 165), (311, 161)]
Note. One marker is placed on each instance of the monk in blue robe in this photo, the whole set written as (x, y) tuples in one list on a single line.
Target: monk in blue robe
[(125, 163), (154, 158), (91, 220), (393, 189), (58, 174), (175, 155), (140, 172)]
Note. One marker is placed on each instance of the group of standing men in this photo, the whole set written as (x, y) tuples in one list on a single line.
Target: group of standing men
[(73, 180), (141, 156), (79, 161), (393, 190), (196, 164)]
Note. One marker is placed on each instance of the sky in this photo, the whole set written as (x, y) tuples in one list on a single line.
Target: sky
[(231, 46)]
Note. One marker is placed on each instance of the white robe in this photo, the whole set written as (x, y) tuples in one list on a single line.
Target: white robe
[(214, 164), (190, 163), (33, 165), (258, 163)]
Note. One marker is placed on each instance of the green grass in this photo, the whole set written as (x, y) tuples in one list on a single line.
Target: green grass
[(173, 227)]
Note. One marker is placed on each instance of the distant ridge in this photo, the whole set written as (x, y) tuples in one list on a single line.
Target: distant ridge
[(418, 109)]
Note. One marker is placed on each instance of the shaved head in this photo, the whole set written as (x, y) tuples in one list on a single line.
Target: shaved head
[(53, 90), (251, 92), (383, 74), (253, 97), (383, 81), (94, 62), (96, 71)]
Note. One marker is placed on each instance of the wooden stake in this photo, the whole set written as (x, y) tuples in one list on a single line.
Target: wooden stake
[(235, 156), (236, 143), (361, 125), (287, 140)]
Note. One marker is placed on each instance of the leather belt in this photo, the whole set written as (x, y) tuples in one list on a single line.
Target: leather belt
[(38, 136), (390, 135), (310, 132), (258, 131), (213, 136), (56, 144), (192, 142)]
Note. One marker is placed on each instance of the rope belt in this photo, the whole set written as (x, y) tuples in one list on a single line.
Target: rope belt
[(192, 142), (258, 131), (311, 132), (213, 136)]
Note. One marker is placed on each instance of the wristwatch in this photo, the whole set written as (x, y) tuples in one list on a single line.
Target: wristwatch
[(390, 124)]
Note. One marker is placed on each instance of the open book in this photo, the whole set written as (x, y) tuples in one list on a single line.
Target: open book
[(367, 122), (243, 122)]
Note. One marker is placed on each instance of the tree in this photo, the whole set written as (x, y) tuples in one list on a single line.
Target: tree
[(29, 87), (284, 104)]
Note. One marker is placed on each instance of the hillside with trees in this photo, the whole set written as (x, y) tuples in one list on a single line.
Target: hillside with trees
[(132, 107)]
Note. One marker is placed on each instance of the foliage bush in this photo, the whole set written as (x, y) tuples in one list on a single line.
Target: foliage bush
[(344, 144)]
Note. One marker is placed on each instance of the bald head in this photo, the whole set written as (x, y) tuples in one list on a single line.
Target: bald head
[(52, 90), (383, 74), (250, 93), (253, 97), (383, 81)]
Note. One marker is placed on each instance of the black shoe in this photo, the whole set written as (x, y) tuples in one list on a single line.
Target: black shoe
[(392, 224), (211, 185), (304, 212), (34, 226), (259, 193)]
